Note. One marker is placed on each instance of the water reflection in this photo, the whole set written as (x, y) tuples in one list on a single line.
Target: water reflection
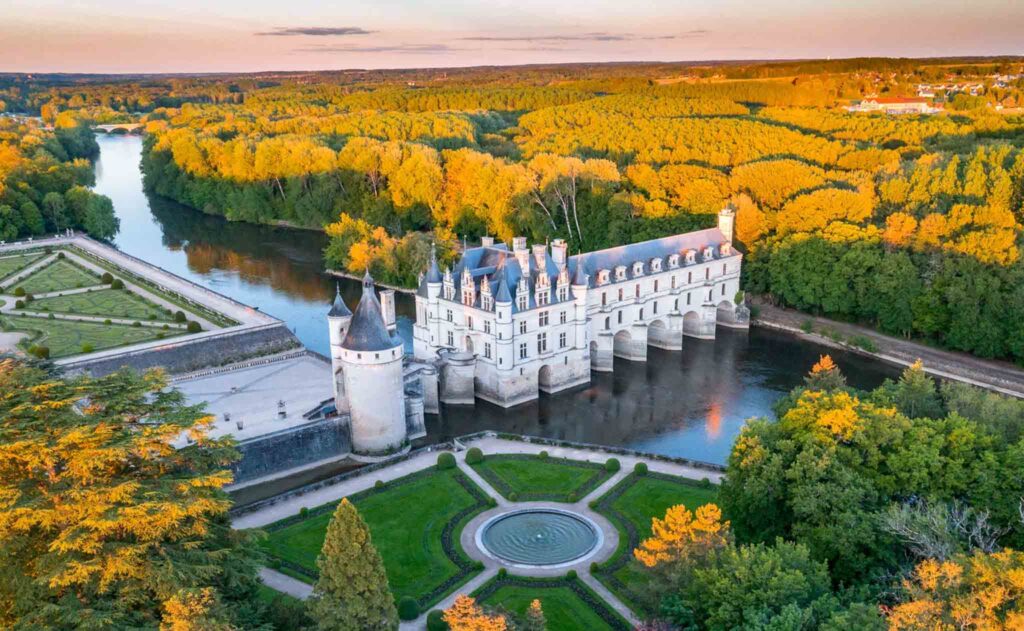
[(690, 403)]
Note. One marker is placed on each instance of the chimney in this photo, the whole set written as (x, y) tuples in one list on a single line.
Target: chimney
[(559, 250), (387, 303), (726, 220), (540, 253), (486, 241), (521, 253)]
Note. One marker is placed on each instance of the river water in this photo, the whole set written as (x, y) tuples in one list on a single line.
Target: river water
[(689, 404)]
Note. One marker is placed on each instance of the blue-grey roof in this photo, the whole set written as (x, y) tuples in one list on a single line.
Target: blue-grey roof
[(338, 309), (433, 271), (368, 332), (644, 251), (502, 295)]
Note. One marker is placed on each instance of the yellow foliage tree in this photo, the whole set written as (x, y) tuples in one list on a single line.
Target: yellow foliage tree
[(899, 229), (683, 535), (466, 615)]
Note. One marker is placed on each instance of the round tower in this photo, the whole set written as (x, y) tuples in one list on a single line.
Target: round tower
[(726, 221), (338, 319), (371, 361)]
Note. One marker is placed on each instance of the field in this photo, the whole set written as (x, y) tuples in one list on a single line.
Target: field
[(523, 478), (57, 276), (407, 519), (67, 337), (630, 506), (113, 303)]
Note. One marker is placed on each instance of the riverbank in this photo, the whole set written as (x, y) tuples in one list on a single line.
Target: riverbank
[(1000, 376)]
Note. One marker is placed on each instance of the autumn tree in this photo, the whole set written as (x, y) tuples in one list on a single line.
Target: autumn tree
[(534, 618), (466, 615), (104, 521), (352, 591), (683, 536)]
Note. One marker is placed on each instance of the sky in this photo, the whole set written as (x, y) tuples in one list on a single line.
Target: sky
[(132, 36)]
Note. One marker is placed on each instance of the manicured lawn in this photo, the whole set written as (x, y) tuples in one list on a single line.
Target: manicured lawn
[(532, 478), (112, 303), (630, 506), (407, 521), (564, 607), (58, 275), (65, 338), (11, 264)]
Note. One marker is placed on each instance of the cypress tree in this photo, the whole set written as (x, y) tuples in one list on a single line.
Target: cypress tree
[(352, 591)]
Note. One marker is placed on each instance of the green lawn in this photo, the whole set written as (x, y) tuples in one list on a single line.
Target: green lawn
[(533, 478), (58, 275), (11, 264), (407, 520), (562, 601), (112, 303), (65, 338), (630, 506)]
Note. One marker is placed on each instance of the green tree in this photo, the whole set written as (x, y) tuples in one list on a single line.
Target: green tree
[(352, 591), (54, 211), (100, 220)]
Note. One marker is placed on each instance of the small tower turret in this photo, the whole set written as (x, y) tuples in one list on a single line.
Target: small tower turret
[(338, 319), (726, 221)]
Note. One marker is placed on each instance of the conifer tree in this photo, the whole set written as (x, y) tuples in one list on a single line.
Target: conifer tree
[(535, 620), (352, 591)]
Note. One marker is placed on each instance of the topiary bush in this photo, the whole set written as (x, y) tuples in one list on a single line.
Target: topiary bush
[(502, 572), (19, 304), (612, 465), (117, 284), (408, 608), (107, 278), (107, 321), (594, 568), (303, 512), (42, 352), (543, 454), (571, 575), (445, 460), (435, 621), (379, 484), (193, 327), (60, 255), (640, 468), (19, 291), (179, 316), (474, 456), (705, 483), (136, 324), (87, 348), (572, 499), (513, 497)]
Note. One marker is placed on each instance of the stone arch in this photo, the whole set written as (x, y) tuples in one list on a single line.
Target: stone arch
[(726, 312), (627, 346), (545, 378), (660, 335), (468, 344)]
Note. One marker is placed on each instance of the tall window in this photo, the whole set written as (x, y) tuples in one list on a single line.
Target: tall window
[(522, 326), (487, 350), (542, 343), (655, 308), (449, 315), (655, 284), (687, 298), (620, 317), (604, 298), (673, 282), (723, 290), (487, 326), (723, 269), (636, 290), (607, 323), (451, 339), (543, 317), (707, 273), (469, 322), (562, 340), (522, 351), (620, 294), (689, 277), (561, 318)]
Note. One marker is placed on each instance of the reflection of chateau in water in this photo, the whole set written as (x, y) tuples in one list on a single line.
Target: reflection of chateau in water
[(690, 403)]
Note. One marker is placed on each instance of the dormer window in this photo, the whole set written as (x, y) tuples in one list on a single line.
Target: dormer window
[(486, 302), (655, 265), (563, 293), (691, 257), (638, 268), (620, 272), (709, 253), (522, 302), (673, 261), (726, 249), (602, 277)]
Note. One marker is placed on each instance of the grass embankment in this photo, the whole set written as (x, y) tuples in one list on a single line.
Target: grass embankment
[(527, 478), (630, 505)]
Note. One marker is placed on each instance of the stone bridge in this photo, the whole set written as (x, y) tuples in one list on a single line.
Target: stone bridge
[(113, 128)]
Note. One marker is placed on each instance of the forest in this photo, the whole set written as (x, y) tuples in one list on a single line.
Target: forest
[(45, 175), (908, 223)]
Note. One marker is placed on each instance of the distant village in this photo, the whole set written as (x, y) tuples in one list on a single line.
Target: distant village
[(1002, 92)]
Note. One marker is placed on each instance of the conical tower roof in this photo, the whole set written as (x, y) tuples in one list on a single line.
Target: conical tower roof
[(580, 278), (368, 332), (502, 294), (338, 309)]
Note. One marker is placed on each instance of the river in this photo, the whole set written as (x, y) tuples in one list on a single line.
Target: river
[(689, 404)]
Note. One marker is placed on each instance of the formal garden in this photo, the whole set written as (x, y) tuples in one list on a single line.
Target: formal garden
[(68, 303), (416, 523)]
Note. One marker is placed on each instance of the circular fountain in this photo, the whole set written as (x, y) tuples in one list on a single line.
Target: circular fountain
[(539, 537)]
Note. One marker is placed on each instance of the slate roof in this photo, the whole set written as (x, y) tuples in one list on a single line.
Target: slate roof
[(433, 274), (339, 309), (368, 332)]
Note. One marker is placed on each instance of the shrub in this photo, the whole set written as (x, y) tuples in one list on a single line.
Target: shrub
[(435, 621), (445, 460), (513, 497), (807, 326), (179, 316), (51, 317), (42, 352), (19, 291), (492, 502), (107, 321), (478, 565), (502, 572), (136, 324), (60, 255), (19, 304), (165, 327), (864, 342), (379, 484), (117, 284), (594, 568), (193, 327), (612, 465), (755, 311), (705, 483), (160, 336), (474, 456), (543, 454), (571, 575), (303, 512), (87, 348), (29, 298), (640, 468), (572, 499), (107, 278), (408, 608)]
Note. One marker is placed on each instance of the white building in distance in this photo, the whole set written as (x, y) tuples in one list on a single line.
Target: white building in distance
[(505, 324)]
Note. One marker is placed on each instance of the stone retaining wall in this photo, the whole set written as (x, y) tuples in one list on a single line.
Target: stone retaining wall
[(291, 448), (188, 355)]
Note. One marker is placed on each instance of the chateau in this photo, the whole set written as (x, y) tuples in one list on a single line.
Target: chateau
[(504, 325)]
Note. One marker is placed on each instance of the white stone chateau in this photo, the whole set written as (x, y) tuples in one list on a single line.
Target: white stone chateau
[(504, 324)]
